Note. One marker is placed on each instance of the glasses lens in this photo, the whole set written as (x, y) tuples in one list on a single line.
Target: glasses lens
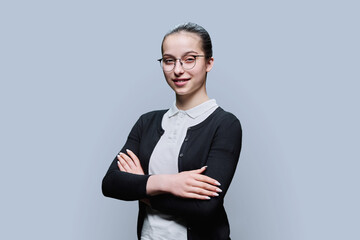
[(188, 62), (168, 64)]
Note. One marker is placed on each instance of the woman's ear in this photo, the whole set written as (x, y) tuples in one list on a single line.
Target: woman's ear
[(209, 64)]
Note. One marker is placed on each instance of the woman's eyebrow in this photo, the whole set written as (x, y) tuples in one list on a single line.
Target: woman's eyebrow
[(190, 52), (186, 53)]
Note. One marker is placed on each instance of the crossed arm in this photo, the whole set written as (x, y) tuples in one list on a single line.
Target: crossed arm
[(187, 184)]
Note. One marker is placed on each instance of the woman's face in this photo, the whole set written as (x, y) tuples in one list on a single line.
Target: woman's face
[(186, 82)]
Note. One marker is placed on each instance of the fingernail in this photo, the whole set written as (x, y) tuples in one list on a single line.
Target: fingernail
[(208, 198), (217, 183), (127, 150), (218, 190), (118, 162), (204, 167), (215, 194)]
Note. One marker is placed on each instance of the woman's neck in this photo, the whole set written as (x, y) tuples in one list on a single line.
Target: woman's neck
[(188, 102)]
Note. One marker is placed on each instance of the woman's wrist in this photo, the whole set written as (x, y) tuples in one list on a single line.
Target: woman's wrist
[(157, 184)]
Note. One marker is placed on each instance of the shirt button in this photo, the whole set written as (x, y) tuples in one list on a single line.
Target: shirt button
[(181, 154), (186, 139)]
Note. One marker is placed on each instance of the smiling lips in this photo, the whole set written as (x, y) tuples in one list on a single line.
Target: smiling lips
[(180, 81)]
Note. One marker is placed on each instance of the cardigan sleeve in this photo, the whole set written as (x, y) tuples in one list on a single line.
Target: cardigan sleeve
[(122, 185), (222, 161)]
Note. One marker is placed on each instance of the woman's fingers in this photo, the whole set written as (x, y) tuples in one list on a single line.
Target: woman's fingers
[(133, 157), (203, 192), (203, 185), (135, 160), (206, 179), (197, 196), (123, 163), (120, 166), (129, 164), (206, 187), (200, 170), (128, 160), (198, 193)]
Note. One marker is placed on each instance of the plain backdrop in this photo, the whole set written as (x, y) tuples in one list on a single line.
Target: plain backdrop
[(76, 75)]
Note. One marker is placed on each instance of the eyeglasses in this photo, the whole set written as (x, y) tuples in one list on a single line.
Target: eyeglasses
[(187, 62)]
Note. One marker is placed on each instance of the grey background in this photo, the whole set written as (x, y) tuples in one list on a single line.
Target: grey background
[(76, 75)]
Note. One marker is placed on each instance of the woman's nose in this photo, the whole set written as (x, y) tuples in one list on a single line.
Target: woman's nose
[(178, 69)]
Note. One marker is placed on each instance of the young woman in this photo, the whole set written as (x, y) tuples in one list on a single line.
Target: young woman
[(179, 162)]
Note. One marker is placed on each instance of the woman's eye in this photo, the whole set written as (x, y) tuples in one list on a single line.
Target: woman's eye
[(169, 61), (189, 59)]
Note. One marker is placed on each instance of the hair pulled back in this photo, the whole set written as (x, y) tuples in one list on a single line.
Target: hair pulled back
[(198, 30)]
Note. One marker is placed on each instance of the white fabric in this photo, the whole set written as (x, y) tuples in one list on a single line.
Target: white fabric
[(164, 160)]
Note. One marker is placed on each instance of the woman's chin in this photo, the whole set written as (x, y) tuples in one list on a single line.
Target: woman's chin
[(181, 92)]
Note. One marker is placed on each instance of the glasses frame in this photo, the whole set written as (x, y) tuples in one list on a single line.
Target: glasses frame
[(181, 63)]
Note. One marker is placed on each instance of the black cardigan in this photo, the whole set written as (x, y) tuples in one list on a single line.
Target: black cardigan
[(215, 142)]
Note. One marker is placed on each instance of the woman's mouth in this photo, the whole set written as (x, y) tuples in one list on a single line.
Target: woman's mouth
[(180, 81)]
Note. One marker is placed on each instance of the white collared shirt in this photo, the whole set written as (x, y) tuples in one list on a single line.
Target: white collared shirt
[(164, 160)]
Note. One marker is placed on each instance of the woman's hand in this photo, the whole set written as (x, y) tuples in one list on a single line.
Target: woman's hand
[(193, 184), (129, 164), (187, 184)]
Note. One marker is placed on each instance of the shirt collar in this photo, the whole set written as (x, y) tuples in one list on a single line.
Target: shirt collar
[(195, 111)]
